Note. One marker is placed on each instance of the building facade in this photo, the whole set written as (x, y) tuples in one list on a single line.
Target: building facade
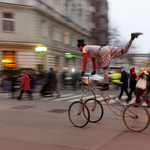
[(99, 23), (37, 33)]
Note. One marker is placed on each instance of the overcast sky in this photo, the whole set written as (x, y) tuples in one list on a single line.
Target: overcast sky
[(129, 16)]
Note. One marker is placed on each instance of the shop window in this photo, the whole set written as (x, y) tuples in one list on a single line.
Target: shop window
[(8, 22), (8, 59)]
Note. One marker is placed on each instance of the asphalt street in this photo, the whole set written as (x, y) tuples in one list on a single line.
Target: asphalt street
[(43, 124)]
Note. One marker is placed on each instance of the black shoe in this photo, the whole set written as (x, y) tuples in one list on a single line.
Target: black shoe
[(17, 98), (135, 35), (104, 87)]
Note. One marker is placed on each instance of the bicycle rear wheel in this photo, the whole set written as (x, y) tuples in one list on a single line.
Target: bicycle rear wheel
[(78, 114), (95, 109), (136, 117)]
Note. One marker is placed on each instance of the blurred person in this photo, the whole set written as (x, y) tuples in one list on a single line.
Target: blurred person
[(0, 82), (132, 83), (105, 53), (142, 74), (74, 79), (13, 80), (25, 85), (4, 82), (124, 86), (63, 76), (52, 81), (33, 81), (148, 81)]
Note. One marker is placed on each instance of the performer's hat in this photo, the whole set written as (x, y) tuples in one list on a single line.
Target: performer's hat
[(80, 42)]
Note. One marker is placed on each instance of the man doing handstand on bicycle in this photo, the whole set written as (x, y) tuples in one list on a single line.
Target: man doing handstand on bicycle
[(105, 53)]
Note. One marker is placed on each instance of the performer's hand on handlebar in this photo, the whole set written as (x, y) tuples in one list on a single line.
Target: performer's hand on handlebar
[(93, 73), (82, 73)]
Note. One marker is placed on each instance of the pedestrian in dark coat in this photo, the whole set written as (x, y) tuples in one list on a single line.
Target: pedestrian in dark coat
[(25, 85), (52, 80), (13, 80), (148, 81), (63, 76), (124, 86), (132, 83)]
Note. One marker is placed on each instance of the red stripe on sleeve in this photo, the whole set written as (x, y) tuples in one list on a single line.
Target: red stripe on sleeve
[(94, 64), (84, 62)]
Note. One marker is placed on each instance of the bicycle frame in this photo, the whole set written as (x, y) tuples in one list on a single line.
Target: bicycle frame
[(106, 99)]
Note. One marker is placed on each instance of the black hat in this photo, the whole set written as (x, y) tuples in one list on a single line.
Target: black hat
[(80, 42)]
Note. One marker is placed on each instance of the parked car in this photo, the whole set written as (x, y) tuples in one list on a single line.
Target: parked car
[(94, 79)]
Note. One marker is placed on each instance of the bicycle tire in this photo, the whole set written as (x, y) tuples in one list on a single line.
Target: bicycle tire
[(96, 114), (140, 122), (78, 114)]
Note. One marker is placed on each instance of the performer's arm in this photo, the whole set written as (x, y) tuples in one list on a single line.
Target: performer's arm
[(84, 62), (94, 64)]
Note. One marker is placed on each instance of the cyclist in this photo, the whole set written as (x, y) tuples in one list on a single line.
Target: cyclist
[(105, 53)]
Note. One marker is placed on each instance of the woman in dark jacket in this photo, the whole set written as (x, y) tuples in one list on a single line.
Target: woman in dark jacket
[(132, 83), (124, 86), (140, 91)]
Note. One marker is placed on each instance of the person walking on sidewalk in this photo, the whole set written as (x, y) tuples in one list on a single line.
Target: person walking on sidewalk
[(148, 81), (139, 92), (124, 86), (105, 53), (13, 80), (132, 83), (25, 85), (52, 81)]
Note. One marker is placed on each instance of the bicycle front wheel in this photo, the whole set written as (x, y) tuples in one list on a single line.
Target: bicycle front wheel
[(78, 114), (136, 117), (95, 109)]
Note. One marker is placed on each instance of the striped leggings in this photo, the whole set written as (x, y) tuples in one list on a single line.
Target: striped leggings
[(108, 52)]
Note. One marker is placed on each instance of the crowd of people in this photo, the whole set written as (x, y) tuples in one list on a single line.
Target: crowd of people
[(133, 77), (28, 81)]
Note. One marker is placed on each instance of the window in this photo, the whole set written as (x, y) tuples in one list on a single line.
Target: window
[(8, 22), (66, 38), (92, 25), (57, 34), (103, 23), (44, 28), (58, 5), (92, 9)]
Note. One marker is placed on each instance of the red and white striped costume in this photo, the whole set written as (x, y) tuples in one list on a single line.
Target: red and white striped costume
[(105, 53)]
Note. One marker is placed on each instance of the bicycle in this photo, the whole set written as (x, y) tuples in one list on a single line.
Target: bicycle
[(135, 116)]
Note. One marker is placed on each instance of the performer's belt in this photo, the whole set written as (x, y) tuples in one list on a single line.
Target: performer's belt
[(100, 48)]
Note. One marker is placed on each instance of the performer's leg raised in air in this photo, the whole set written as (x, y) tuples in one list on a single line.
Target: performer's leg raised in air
[(105, 53)]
